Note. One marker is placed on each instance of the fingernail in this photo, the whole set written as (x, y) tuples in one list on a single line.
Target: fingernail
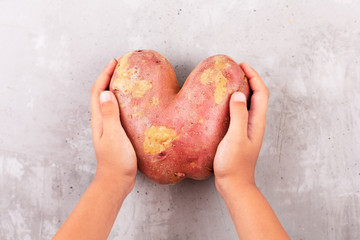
[(115, 60), (105, 96), (239, 97), (112, 61)]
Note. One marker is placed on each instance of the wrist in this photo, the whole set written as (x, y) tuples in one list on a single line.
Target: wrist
[(231, 184), (115, 183)]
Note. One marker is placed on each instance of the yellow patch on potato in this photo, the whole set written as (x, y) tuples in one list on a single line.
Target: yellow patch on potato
[(221, 89), (206, 76), (158, 138), (128, 79), (129, 82), (155, 101), (134, 107), (221, 62), (201, 120), (214, 75), (124, 63), (138, 114)]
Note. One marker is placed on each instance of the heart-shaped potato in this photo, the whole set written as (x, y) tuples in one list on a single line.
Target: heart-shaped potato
[(175, 133)]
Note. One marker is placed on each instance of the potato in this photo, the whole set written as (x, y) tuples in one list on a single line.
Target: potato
[(175, 132)]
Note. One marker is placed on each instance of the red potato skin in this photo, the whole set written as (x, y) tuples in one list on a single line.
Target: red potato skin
[(197, 116)]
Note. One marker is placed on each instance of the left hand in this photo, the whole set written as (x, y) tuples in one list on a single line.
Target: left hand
[(115, 155)]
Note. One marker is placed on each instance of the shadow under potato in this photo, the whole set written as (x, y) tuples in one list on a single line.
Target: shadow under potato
[(182, 71)]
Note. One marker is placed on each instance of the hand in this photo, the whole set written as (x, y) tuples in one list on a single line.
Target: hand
[(95, 213), (237, 153), (116, 158), (235, 160)]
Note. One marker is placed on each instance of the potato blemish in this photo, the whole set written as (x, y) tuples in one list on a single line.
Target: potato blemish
[(214, 75), (158, 138), (129, 82), (155, 101), (138, 114), (201, 120), (221, 89), (124, 63), (128, 79), (179, 174)]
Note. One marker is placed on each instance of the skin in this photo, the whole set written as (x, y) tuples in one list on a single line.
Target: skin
[(234, 166), (94, 215)]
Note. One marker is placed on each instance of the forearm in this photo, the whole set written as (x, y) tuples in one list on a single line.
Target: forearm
[(94, 215), (252, 215)]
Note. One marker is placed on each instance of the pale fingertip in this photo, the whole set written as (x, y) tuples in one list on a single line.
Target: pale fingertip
[(244, 64), (239, 97), (105, 96), (112, 61)]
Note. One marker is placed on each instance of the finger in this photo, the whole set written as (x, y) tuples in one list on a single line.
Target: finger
[(238, 117), (113, 79), (109, 114), (258, 104), (100, 85), (103, 80)]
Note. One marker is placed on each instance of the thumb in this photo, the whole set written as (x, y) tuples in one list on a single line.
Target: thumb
[(109, 112), (238, 115)]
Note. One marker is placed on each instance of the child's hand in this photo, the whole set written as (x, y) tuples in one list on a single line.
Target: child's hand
[(95, 213), (116, 158), (237, 153)]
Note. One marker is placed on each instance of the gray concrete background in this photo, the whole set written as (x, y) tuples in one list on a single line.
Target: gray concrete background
[(306, 51)]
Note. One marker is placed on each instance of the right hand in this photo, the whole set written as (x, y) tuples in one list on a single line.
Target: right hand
[(115, 155), (237, 153)]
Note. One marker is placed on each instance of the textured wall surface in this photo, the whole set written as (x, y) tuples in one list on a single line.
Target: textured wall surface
[(306, 51)]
